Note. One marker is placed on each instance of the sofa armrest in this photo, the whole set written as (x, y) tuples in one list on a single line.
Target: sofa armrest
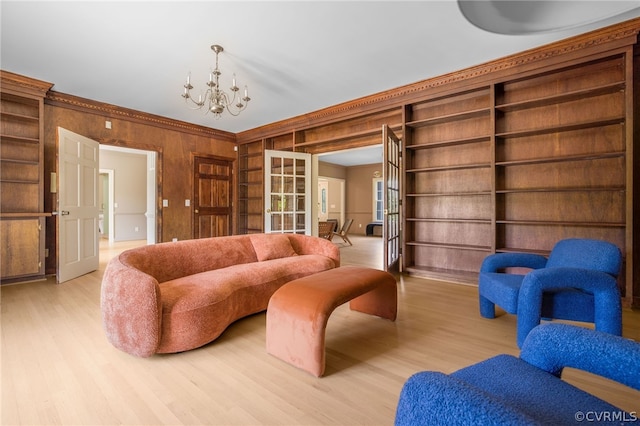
[(433, 398), (305, 244), (495, 262), (131, 309), (551, 347)]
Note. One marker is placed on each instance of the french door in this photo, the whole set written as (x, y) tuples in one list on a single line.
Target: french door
[(287, 197), (391, 178)]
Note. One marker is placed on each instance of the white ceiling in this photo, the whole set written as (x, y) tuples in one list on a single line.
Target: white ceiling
[(295, 56), (354, 157)]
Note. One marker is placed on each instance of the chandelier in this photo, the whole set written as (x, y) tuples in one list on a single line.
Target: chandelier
[(215, 98)]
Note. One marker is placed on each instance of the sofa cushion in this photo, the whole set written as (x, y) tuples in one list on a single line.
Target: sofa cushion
[(272, 246)]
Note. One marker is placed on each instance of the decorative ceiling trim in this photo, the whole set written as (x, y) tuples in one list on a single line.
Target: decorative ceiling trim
[(64, 100), (19, 83)]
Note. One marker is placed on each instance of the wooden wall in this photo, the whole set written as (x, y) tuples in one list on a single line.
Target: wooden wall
[(175, 142)]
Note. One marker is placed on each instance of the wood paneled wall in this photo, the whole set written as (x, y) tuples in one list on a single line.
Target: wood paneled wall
[(175, 142)]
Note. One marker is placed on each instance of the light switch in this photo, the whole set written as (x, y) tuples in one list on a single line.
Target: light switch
[(165, 203), (187, 203)]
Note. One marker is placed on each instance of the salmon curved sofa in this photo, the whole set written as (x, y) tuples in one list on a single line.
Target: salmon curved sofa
[(173, 297)]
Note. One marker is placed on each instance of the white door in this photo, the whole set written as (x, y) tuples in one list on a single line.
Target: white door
[(78, 206), (287, 186)]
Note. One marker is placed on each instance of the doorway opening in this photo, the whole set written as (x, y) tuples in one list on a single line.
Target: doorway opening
[(127, 193), (342, 172)]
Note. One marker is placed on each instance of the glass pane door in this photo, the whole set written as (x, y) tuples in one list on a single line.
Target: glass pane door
[(287, 192), (391, 176)]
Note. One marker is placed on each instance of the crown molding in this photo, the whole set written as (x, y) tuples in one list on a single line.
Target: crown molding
[(19, 84), (89, 106)]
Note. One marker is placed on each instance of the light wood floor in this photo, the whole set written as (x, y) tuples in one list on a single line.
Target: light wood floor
[(58, 368)]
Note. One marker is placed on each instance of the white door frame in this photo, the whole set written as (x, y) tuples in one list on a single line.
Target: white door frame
[(110, 210), (151, 193)]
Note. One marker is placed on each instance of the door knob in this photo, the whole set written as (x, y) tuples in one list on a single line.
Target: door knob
[(196, 211)]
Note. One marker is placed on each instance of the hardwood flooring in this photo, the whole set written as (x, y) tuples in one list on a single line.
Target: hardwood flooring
[(59, 369)]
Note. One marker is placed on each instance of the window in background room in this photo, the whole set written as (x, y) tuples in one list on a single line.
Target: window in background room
[(378, 199)]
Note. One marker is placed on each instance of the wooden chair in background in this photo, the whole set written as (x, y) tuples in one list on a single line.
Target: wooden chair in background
[(325, 230), (343, 232)]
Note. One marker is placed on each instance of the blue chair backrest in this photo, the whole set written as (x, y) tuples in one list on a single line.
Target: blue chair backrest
[(586, 254)]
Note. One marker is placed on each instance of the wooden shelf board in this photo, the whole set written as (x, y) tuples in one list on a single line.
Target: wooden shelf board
[(562, 223), (354, 135), (568, 189), (453, 142), (561, 128), (565, 97), (420, 219), (19, 161), (456, 167), (583, 157), (448, 194), (459, 116), (521, 250), (20, 181), (20, 139), (5, 215), (449, 246), (22, 117)]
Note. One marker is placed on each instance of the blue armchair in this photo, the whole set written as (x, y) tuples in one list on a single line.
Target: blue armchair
[(577, 282), (527, 390)]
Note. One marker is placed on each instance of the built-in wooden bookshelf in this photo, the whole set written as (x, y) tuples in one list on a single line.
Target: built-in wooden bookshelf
[(21, 177), (448, 193), (250, 188)]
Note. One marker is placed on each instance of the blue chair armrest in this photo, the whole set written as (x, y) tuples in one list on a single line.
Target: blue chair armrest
[(495, 262), (551, 347), (433, 398), (607, 309)]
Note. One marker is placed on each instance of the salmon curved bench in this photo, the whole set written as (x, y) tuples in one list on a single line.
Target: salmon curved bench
[(298, 311)]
